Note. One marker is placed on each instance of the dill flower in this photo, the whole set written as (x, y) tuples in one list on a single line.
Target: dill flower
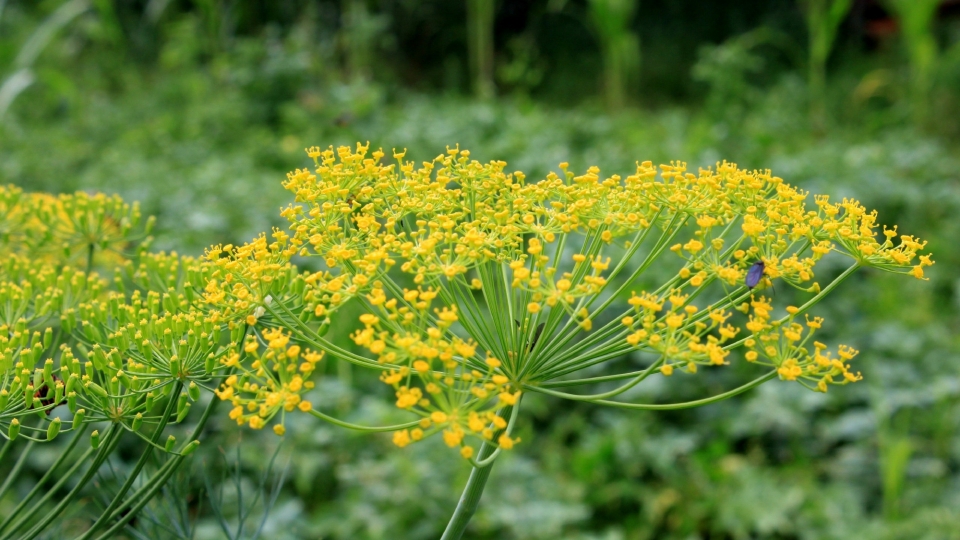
[(477, 285)]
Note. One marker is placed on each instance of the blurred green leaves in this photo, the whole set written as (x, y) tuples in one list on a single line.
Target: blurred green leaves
[(202, 121)]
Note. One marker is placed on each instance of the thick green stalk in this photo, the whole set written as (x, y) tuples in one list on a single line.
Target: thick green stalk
[(470, 499)]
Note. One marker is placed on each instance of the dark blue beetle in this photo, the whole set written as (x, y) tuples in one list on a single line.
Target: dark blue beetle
[(755, 274)]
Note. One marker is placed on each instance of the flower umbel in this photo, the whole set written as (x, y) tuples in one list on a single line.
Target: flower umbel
[(476, 285)]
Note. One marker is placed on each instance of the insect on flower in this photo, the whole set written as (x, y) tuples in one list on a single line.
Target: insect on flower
[(754, 274), (536, 335)]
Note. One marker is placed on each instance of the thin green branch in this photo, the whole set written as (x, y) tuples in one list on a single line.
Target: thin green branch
[(46, 476), (668, 406), (358, 427), (158, 432)]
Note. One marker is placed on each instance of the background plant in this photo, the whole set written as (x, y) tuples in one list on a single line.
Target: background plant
[(201, 139), (619, 46), (823, 22)]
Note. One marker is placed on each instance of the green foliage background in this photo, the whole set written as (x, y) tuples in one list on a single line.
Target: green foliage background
[(198, 109)]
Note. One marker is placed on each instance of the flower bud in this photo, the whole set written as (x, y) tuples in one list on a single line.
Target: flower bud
[(151, 399), (175, 366), (194, 391), (96, 389), (189, 448), (171, 442), (69, 320), (95, 439), (209, 364), (125, 379), (38, 407), (137, 421), (4, 398), (72, 383), (72, 401), (47, 337), (53, 429), (48, 372), (183, 410), (146, 347), (14, 429), (98, 357), (78, 418)]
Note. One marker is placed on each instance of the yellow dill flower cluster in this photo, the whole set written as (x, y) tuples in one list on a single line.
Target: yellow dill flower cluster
[(682, 335), (850, 226), (783, 344), (273, 382), (453, 256), (239, 280), (70, 228), (457, 394)]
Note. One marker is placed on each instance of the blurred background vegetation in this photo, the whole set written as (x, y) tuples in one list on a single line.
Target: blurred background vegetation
[(198, 109)]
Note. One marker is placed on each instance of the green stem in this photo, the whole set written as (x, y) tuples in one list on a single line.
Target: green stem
[(15, 472), (358, 427), (106, 448), (56, 487), (132, 477), (668, 406), (615, 392), (90, 251), (7, 446), (145, 494), (470, 499), (36, 488)]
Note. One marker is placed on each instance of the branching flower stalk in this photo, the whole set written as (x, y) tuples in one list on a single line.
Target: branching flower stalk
[(475, 286)]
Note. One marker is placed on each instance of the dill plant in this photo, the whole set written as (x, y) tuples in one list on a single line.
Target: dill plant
[(475, 286)]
